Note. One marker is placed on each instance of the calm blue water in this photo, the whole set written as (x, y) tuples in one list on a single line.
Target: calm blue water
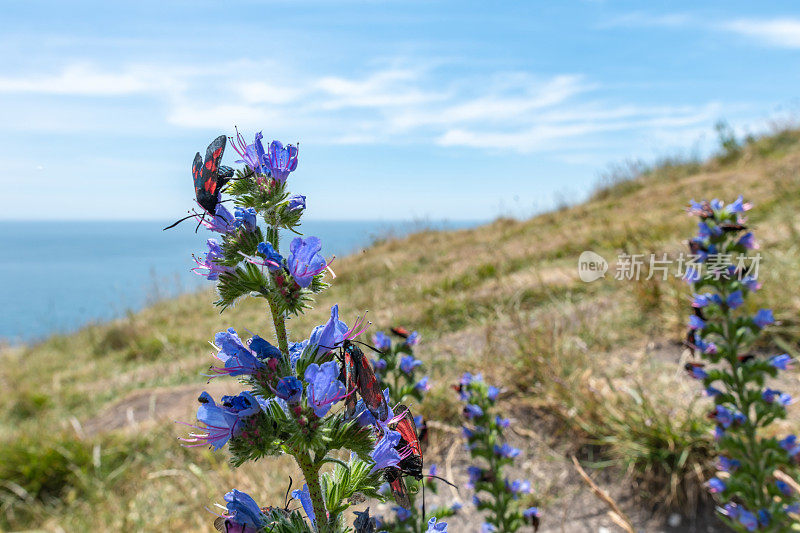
[(58, 276)]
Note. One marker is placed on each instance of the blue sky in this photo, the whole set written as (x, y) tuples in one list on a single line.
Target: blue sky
[(403, 109)]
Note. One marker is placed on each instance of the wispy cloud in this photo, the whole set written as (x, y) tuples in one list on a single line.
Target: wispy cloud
[(778, 32), (401, 102)]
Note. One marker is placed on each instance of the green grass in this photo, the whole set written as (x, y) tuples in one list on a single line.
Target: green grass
[(507, 292)]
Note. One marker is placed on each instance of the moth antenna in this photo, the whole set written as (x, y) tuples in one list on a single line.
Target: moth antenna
[(178, 222)]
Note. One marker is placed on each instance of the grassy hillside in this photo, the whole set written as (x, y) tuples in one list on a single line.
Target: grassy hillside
[(88, 440)]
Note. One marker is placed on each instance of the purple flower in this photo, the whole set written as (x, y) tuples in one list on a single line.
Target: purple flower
[(472, 411), (728, 465), (297, 202), (423, 385), (519, 486), (764, 517), (413, 339), (329, 335), (237, 358), (735, 299), (751, 283), (723, 415), (456, 506), (695, 322), (748, 520), (731, 510), (305, 499), (263, 349), (531, 513), (281, 161), (705, 347), (700, 301), (781, 362), (696, 371), (408, 363), (790, 444), (385, 453), (738, 206), (304, 261), (222, 221), (748, 240), (209, 267), (715, 485), (486, 527), (402, 513), (719, 432), (502, 422), (433, 470), (249, 153), (289, 389), (776, 396), (243, 510), (296, 350), (378, 364), (246, 218), (364, 415), (784, 487), (506, 451), (324, 387), (221, 421), (492, 392), (713, 391), (382, 341), (272, 259), (475, 475), (763, 318), (433, 527)]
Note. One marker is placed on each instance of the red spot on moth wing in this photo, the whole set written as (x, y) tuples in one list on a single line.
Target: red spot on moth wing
[(211, 185)]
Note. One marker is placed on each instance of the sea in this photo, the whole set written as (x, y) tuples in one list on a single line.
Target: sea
[(56, 277)]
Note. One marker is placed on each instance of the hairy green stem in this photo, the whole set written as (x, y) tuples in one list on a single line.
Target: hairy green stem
[(311, 475), (280, 328)]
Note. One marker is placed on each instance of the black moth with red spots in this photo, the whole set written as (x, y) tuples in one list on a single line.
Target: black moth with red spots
[(357, 374), (209, 176)]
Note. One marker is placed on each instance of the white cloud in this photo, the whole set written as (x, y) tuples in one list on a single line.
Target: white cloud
[(780, 32), (398, 103)]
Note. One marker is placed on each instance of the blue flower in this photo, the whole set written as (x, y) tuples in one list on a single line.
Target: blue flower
[(221, 421), (519, 486), (222, 221), (281, 161), (472, 411), (456, 506), (695, 322), (402, 513), (433, 527), (289, 389), (764, 517), (748, 520), (751, 283), (408, 363), (379, 364), (724, 416), (781, 362), (263, 349), (506, 451), (209, 267), (305, 499), (735, 299), (296, 350), (382, 341), (413, 339), (246, 218), (696, 371), (475, 475), (502, 422), (713, 391), (243, 510), (364, 415), (700, 301), (297, 201), (748, 241), (763, 318), (486, 527), (492, 393), (249, 153), (324, 387), (531, 513), (784, 487), (385, 453), (272, 259), (790, 444), (423, 385), (776, 396), (728, 465), (329, 335), (237, 358), (715, 485), (738, 206), (304, 261)]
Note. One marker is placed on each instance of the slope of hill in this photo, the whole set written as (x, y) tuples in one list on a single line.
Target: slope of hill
[(88, 441)]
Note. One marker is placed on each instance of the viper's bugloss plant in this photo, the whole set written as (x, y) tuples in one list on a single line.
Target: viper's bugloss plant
[(398, 371), (500, 497), (289, 405), (722, 330)]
